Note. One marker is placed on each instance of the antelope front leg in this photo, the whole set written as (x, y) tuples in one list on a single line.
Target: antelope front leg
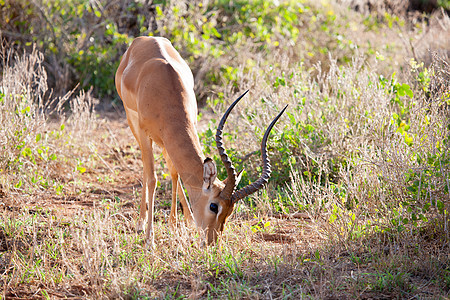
[(185, 204), (140, 226), (177, 188), (148, 195), (174, 176), (133, 121), (173, 208)]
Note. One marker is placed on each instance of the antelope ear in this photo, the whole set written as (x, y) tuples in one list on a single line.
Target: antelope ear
[(209, 173)]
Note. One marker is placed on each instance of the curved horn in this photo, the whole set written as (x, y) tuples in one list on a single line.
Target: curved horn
[(259, 183), (231, 173)]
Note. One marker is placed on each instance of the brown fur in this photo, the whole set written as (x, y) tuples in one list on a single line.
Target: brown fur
[(156, 87)]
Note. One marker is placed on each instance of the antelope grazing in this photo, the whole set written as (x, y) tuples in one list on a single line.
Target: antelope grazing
[(157, 89)]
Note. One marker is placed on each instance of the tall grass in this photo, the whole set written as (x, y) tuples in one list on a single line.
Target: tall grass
[(356, 143), (37, 149), (357, 206)]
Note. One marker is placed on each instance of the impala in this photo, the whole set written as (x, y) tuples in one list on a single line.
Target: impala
[(157, 89)]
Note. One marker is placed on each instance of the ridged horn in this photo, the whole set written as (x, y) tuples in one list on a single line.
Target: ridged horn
[(231, 173), (259, 183)]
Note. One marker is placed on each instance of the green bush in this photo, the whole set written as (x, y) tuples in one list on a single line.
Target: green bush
[(83, 41), (35, 152)]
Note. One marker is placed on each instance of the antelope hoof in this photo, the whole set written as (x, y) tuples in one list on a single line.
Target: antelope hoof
[(189, 220), (150, 240), (150, 245), (140, 227), (173, 222)]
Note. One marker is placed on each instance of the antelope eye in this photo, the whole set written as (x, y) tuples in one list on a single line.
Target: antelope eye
[(214, 208)]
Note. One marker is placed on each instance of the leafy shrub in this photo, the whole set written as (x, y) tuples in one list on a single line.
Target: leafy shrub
[(353, 142), (82, 41), (33, 149)]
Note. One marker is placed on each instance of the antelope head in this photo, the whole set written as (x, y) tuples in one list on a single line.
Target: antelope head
[(218, 197)]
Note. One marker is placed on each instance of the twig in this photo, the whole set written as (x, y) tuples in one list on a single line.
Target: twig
[(247, 156)]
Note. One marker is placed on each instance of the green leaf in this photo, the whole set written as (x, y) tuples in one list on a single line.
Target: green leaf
[(333, 218), (426, 207), (18, 185), (440, 206), (423, 218), (80, 9), (159, 11), (408, 139), (317, 255), (409, 93), (291, 118), (216, 33)]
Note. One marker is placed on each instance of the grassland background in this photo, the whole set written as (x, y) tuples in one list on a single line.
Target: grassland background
[(358, 202)]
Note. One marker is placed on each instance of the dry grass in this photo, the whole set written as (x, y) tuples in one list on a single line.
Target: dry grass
[(81, 242), (90, 250), (343, 226)]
